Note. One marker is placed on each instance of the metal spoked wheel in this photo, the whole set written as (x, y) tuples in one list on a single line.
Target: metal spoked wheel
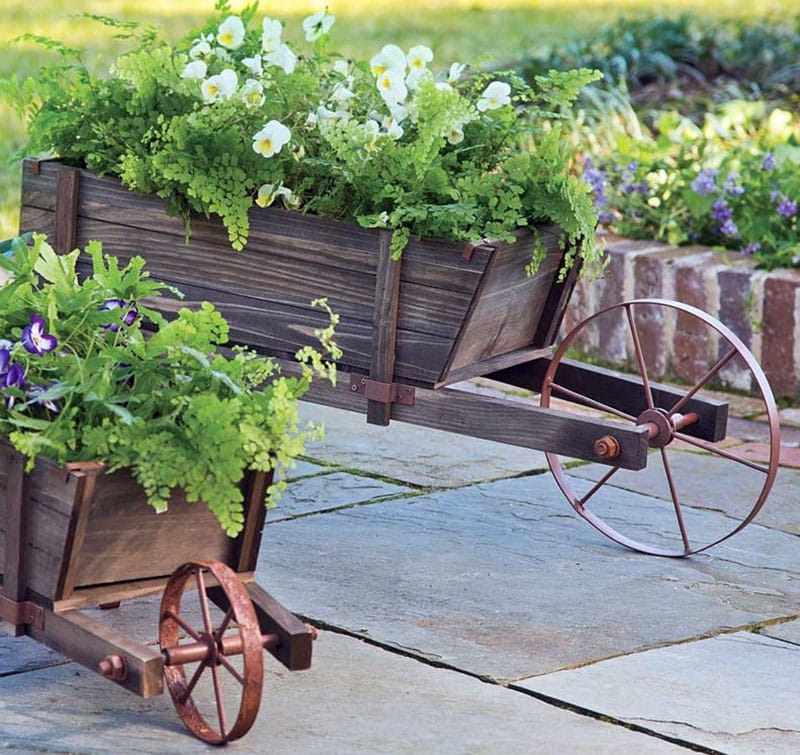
[(667, 509), (226, 646)]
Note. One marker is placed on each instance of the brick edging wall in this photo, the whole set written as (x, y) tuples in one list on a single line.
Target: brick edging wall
[(762, 308)]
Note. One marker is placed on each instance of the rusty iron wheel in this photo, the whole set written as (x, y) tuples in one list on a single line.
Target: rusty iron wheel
[(596, 495), (224, 647)]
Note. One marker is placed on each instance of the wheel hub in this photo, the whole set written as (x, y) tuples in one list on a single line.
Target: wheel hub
[(659, 425)]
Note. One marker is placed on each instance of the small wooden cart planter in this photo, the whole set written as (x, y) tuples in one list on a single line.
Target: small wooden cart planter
[(73, 538), (412, 328)]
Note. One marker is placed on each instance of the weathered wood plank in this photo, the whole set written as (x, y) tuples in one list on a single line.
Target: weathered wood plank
[(622, 392), (512, 422), (88, 641), (384, 328)]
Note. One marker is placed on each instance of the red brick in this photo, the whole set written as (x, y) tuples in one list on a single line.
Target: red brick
[(779, 331)]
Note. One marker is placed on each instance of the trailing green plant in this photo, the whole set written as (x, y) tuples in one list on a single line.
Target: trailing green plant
[(82, 379), (732, 184), (232, 116)]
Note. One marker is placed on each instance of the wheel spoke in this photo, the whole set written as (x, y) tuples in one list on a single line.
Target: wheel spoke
[(637, 346), (187, 693), (182, 624), (711, 448), (579, 399), (223, 723), (703, 380), (203, 597), (221, 629), (231, 669), (599, 484), (673, 491)]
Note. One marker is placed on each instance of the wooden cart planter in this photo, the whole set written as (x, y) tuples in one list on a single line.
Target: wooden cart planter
[(75, 537), (411, 329)]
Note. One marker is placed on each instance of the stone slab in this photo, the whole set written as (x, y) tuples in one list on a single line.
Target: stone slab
[(729, 693), (326, 492), (415, 455), (356, 698), (502, 580)]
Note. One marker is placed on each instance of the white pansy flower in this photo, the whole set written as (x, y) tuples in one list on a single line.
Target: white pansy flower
[(390, 58), (284, 58), (418, 57), (392, 87), (271, 34), (201, 46), (253, 66), (231, 32), (392, 127), (455, 134), (311, 120), (253, 93), (220, 87), (454, 74), (326, 115), (271, 138), (341, 95), (497, 94), (443, 86), (317, 25), (268, 193), (197, 69)]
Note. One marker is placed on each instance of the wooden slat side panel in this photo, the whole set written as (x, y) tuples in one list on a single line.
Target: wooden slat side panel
[(506, 315), (126, 539)]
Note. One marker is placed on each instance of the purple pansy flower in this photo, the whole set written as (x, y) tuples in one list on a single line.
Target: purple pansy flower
[(13, 377), (35, 394), (128, 317), (35, 337), (5, 356)]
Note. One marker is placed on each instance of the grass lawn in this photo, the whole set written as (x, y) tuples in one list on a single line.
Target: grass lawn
[(464, 30)]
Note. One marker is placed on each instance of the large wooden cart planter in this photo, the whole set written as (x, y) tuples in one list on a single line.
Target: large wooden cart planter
[(444, 312), (73, 538)]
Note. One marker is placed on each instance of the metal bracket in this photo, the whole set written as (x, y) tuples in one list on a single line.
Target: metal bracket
[(385, 393), (20, 613)]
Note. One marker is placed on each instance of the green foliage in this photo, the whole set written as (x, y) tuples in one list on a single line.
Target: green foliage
[(418, 152), (163, 402), (645, 50)]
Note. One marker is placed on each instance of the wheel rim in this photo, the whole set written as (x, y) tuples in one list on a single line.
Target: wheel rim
[(227, 647), (726, 353)]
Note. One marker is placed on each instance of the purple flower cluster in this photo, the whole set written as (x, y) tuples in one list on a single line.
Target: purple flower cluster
[(35, 340), (705, 183), (723, 214), (785, 206), (597, 183)]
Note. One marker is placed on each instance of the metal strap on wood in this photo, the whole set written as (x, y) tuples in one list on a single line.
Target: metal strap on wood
[(383, 393), (18, 614)]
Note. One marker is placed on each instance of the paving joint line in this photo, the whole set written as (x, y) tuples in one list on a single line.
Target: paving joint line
[(553, 701)]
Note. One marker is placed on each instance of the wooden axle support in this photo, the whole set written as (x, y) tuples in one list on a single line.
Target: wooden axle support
[(134, 665)]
